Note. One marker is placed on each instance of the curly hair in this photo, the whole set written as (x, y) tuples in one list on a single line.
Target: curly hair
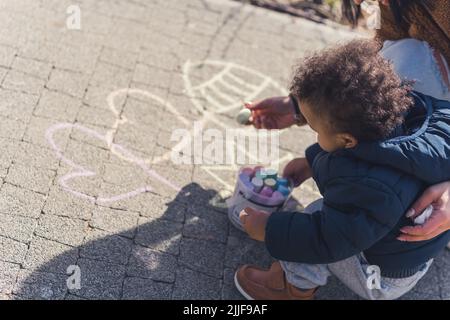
[(355, 88)]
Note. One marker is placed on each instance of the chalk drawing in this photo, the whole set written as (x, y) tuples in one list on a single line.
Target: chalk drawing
[(79, 171), (209, 90)]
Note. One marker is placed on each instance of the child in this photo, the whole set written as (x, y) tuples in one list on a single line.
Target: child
[(379, 146)]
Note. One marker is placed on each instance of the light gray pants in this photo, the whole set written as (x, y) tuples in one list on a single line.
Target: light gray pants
[(355, 272)]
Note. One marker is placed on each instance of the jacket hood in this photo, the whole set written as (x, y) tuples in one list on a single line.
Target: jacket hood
[(419, 148)]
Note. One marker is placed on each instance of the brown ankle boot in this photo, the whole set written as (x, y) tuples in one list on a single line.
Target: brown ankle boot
[(258, 284)]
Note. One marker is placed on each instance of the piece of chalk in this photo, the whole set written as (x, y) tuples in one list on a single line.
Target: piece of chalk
[(424, 215), (283, 190), (271, 183), (244, 177), (266, 192), (283, 182), (271, 173), (257, 184), (277, 196), (243, 116), (261, 174), (248, 171)]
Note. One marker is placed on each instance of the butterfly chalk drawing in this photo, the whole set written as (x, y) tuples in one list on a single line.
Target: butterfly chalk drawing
[(224, 92)]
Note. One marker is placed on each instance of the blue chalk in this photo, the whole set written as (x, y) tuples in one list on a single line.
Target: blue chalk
[(283, 182), (284, 190)]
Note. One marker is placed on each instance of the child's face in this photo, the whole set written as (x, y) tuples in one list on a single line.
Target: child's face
[(328, 139)]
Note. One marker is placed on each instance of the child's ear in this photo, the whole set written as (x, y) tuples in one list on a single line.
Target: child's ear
[(348, 140)]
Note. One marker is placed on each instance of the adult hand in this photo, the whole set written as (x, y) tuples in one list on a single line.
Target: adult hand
[(439, 197), (254, 222), (297, 171), (385, 2), (272, 113)]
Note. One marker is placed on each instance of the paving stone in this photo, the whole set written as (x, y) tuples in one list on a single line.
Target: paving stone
[(62, 203), (36, 133), (31, 178), (12, 129), (17, 106), (37, 156), (17, 228), (119, 222), (100, 245), (49, 256), (68, 82), (58, 106), (162, 235), (61, 229), (33, 67), (100, 280), (243, 250), (96, 96), (8, 275), (153, 76), (146, 289), (211, 225), (108, 75), (40, 285), (203, 256), (229, 291), (20, 202), (121, 58), (151, 264), (193, 285), (12, 250), (95, 116), (162, 207), (7, 55), (19, 81)]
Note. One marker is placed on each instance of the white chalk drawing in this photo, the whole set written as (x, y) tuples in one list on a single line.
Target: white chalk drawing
[(219, 102)]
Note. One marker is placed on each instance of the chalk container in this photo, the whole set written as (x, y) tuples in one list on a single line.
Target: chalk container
[(245, 196)]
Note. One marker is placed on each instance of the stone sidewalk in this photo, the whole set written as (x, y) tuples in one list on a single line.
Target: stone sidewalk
[(86, 118)]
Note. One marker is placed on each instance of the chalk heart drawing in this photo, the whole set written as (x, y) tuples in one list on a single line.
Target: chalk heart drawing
[(224, 92)]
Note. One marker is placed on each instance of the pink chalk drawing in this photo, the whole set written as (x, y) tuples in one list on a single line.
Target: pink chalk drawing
[(230, 76), (80, 171)]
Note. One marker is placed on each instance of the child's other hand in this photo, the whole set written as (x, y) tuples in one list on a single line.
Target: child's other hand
[(254, 222), (297, 171)]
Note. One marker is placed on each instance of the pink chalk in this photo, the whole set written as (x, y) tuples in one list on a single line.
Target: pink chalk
[(267, 192)]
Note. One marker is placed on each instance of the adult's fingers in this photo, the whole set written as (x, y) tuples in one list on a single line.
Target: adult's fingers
[(436, 221), (413, 238), (428, 197)]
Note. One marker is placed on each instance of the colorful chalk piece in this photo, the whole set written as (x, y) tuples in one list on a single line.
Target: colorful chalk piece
[(278, 196), (271, 183), (271, 173), (261, 174), (257, 184), (283, 190), (243, 116), (266, 192), (248, 171), (244, 177), (283, 182)]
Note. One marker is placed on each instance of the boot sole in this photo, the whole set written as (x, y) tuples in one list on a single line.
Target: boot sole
[(241, 291)]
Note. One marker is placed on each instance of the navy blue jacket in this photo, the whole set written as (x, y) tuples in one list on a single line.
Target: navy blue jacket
[(366, 192)]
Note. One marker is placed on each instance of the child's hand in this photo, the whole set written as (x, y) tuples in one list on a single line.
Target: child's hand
[(297, 171), (254, 222)]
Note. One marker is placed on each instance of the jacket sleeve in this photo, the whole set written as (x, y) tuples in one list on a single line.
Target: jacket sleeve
[(356, 213)]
